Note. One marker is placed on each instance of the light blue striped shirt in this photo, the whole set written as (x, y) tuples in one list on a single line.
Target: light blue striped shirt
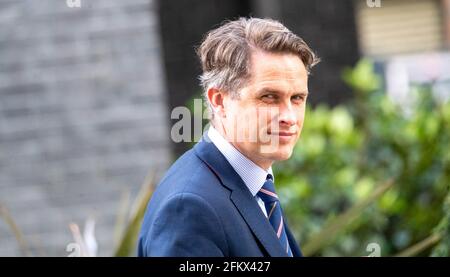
[(252, 175)]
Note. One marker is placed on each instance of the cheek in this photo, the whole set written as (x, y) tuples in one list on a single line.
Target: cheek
[(300, 121), (243, 118), (301, 114), (232, 111), (301, 118)]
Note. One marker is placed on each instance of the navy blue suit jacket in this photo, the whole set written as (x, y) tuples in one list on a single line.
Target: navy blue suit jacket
[(203, 208)]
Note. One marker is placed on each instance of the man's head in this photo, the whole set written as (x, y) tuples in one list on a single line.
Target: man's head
[(255, 78)]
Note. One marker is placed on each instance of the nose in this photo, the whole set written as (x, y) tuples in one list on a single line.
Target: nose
[(287, 115)]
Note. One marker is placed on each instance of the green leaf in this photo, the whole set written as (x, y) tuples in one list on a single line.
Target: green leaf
[(342, 221), (127, 244)]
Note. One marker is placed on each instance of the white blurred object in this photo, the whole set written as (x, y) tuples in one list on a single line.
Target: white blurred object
[(404, 71), (398, 86), (87, 243), (89, 237)]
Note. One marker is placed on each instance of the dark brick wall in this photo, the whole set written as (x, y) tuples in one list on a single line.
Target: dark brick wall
[(83, 115)]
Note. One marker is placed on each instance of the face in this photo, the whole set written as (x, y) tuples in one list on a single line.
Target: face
[(265, 122)]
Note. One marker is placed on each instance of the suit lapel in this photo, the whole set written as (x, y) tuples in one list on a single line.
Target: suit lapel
[(241, 197)]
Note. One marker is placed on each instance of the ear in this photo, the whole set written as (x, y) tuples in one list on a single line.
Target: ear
[(216, 98)]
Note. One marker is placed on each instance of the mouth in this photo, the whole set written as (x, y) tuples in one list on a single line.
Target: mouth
[(282, 134), (283, 137)]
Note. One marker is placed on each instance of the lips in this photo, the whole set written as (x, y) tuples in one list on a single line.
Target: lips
[(282, 134), (284, 137)]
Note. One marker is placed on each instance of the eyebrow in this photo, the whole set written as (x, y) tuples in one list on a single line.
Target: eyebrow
[(275, 91)]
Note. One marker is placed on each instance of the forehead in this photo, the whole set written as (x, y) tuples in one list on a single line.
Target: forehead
[(284, 71)]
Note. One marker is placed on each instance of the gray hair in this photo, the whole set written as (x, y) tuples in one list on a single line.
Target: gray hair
[(225, 51)]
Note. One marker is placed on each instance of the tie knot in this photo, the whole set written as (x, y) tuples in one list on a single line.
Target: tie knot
[(267, 192)]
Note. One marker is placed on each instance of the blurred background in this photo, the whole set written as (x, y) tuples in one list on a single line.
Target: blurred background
[(86, 93)]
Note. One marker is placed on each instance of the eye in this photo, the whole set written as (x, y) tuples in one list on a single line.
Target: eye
[(298, 98), (269, 97)]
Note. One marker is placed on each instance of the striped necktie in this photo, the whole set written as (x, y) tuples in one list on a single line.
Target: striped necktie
[(274, 213)]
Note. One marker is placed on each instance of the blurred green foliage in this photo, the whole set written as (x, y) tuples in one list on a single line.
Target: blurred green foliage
[(126, 244), (371, 171)]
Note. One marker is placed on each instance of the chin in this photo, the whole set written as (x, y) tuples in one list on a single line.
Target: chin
[(283, 156), (280, 154)]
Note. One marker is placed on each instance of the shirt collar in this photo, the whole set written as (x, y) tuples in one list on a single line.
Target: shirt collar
[(252, 175)]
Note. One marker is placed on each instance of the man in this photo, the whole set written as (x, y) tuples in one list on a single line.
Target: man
[(218, 199)]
